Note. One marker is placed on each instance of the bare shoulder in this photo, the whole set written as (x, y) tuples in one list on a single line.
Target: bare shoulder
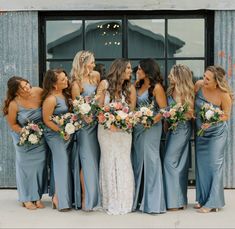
[(225, 97), (158, 88), (96, 75), (198, 85), (103, 84), (51, 99), (13, 106)]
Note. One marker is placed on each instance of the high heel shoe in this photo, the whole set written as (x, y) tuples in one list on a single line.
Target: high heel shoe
[(197, 206), (39, 204), (207, 210), (29, 205), (54, 204)]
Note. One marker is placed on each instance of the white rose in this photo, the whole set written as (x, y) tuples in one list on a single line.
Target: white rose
[(85, 108), (33, 139), (209, 114), (122, 114), (143, 110), (69, 128)]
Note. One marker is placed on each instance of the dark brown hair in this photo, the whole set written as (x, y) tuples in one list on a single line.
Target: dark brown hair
[(152, 71), (13, 86), (114, 78), (49, 82)]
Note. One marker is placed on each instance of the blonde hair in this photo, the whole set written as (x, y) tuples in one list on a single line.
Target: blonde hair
[(183, 85), (79, 65), (220, 78)]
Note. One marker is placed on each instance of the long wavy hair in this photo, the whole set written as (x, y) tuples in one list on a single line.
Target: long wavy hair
[(13, 86), (49, 82), (220, 78), (115, 79), (79, 65), (152, 71), (183, 84)]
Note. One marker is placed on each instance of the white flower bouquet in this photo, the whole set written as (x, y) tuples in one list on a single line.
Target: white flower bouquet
[(68, 123), (31, 134), (209, 115), (86, 108), (145, 116), (175, 114), (117, 115)]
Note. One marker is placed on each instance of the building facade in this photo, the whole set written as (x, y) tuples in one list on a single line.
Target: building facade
[(40, 35)]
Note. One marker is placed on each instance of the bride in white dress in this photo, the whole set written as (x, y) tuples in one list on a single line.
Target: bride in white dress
[(116, 174)]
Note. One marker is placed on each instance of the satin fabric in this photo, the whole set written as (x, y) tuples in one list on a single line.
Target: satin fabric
[(61, 183), (149, 191), (176, 164), (86, 157), (31, 173), (209, 160)]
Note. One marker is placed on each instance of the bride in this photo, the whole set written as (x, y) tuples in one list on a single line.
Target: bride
[(116, 174)]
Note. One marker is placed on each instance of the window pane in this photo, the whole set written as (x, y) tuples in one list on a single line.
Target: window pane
[(66, 65), (146, 38), (104, 38), (196, 66), (186, 38), (63, 38)]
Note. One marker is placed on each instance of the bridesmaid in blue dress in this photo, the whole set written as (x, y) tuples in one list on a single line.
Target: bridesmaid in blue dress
[(23, 105), (176, 157), (84, 82), (149, 192), (56, 102), (213, 89)]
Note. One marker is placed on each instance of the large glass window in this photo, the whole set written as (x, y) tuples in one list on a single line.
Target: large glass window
[(169, 38)]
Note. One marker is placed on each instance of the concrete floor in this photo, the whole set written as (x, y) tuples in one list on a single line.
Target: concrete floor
[(13, 215)]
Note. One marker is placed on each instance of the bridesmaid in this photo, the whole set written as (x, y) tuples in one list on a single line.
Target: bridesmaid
[(56, 102), (210, 147), (176, 158), (149, 196), (84, 82), (23, 104)]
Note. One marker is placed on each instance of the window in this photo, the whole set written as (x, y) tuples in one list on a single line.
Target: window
[(168, 37)]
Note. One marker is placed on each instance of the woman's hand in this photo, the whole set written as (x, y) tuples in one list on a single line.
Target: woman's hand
[(113, 128), (88, 119), (205, 126), (66, 136)]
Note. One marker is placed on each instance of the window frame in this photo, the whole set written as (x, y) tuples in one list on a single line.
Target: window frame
[(124, 16)]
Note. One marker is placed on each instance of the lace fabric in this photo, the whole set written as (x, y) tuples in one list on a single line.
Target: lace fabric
[(116, 174)]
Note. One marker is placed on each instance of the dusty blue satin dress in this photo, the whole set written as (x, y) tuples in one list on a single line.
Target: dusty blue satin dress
[(88, 154), (31, 173), (176, 164), (209, 160), (149, 191), (61, 151)]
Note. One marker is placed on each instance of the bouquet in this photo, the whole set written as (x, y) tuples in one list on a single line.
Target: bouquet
[(144, 115), (31, 134), (116, 114), (209, 115), (68, 123), (175, 114), (86, 108)]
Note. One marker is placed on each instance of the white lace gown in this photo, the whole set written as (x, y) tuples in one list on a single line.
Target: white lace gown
[(116, 174)]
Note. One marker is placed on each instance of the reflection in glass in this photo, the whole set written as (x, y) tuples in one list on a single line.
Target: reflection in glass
[(146, 38), (104, 38), (196, 66), (188, 37), (66, 65), (63, 38)]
